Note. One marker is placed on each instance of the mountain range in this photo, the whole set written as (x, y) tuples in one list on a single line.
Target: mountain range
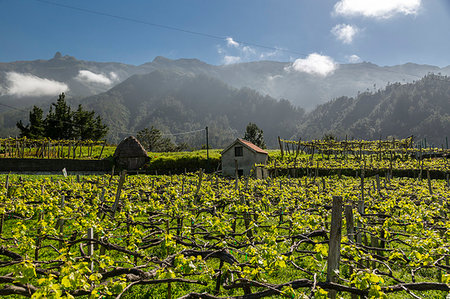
[(188, 94)]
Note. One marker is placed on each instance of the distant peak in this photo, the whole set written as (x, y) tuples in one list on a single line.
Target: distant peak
[(58, 55), (161, 59)]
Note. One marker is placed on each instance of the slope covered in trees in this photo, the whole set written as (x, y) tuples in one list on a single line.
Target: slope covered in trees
[(420, 108), (177, 103)]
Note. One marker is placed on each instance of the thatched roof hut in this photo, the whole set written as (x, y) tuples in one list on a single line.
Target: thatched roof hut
[(130, 154)]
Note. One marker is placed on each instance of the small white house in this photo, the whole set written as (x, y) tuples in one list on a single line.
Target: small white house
[(244, 155)]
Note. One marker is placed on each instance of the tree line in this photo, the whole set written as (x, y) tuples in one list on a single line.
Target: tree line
[(63, 123)]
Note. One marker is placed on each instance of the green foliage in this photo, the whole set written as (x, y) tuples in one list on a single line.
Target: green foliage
[(87, 126), (420, 108), (176, 103), (177, 162), (62, 123), (36, 128), (58, 123), (293, 247), (254, 135), (153, 141)]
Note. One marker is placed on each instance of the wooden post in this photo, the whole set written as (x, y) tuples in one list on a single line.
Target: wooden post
[(349, 221), (334, 249), (378, 183), (281, 146), (60, 222), (90, 236), (112, 174), (199, 185), (350, 233), (362, 184), (298, 148), (429, 182), (359, 224), (38, 237), (119, 190), (236, 172), (101, 152)]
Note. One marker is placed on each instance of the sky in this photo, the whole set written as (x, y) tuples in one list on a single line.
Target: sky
[(314, 35)]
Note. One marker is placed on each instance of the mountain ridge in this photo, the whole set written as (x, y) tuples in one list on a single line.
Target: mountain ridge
[(273, 80)]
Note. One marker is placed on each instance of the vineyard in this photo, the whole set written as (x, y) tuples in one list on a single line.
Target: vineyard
[(393, 157), (202, 236), (54, 149)]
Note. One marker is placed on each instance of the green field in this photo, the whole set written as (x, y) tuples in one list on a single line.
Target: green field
[(183, 235)]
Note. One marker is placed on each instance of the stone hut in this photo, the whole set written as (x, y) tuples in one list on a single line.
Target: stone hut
[(130, 154), (244, 155)]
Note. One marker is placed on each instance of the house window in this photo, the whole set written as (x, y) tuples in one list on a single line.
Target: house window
[(238, 151), (240, 172)]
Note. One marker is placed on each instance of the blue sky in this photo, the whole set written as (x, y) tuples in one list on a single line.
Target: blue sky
[(384, 32)]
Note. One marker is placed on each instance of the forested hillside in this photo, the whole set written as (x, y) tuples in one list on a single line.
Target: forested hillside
[(179, 103), (421, 108)]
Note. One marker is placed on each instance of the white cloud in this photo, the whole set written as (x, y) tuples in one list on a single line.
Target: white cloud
[(248, 50), (315, 64), (345, 32), (28, 85), (271, 78), (231, 42), (353, 58), (231, 59), (382, 9), (90, 77), (113, 76), (235, 52), (272, 54)]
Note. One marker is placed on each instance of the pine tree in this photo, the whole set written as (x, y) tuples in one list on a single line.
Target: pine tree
[(62, 123), (58, 123), (36, 128), (86, 126), (255, 135)]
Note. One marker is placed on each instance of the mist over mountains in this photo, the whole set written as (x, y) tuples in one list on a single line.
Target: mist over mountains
[(188, 94)]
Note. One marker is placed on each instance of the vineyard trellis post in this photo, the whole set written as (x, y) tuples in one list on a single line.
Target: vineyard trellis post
[(430, 189), (119, 190), (101, 152), (348, 212), (90, 236), (281, 146), (334, 249), (60, 222)]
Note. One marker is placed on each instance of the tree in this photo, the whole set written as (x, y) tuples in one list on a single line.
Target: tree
[(62, 123), (58, 123), (86, 126), (36, 128), (153, 140), (254, 135)]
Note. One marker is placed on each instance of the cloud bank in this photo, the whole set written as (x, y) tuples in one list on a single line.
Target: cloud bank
[(345, 33), (314, 64), (381, 9), (28, 85), (90, 77), (236, 52)]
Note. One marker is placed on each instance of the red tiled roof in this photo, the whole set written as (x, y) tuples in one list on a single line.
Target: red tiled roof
[(252, 146)]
